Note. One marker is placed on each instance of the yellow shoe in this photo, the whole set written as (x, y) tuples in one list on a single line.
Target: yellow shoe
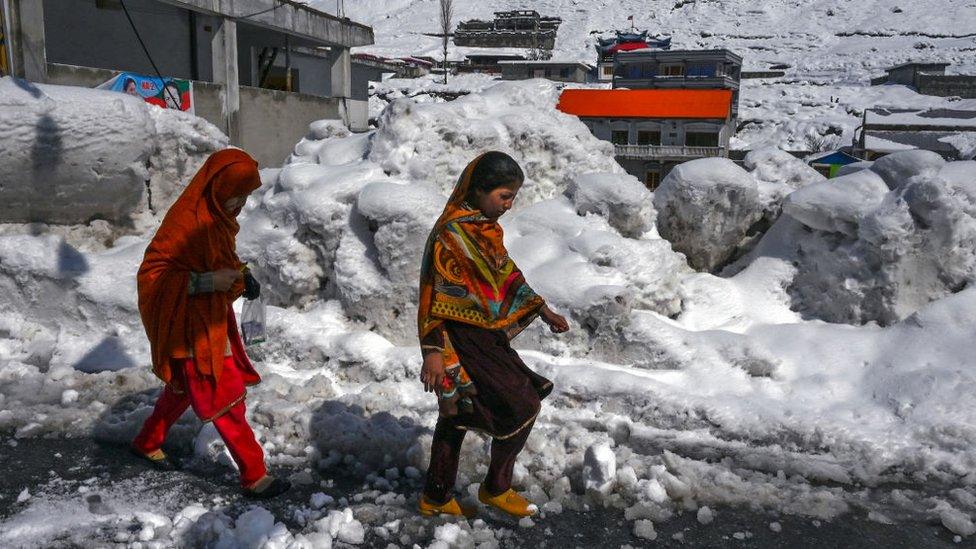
[(429, 508), (509, 501)]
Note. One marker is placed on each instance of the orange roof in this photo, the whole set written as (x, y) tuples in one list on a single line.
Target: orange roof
[(657, 103)]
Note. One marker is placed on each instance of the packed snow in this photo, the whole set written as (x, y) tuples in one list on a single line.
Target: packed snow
[(830, 353)]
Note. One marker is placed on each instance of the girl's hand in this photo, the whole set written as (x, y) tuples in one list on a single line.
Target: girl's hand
[(557, 322), (224, 279), (432, 373)]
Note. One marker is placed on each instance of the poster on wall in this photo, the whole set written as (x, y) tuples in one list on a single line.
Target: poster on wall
[(168, 93)]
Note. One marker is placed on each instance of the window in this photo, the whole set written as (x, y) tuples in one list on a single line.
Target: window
[(652, 179), (648, 137), (701, 139), (619, 137), (633, 71), (539, 73), (701, 69), (672, 70), (608, 70), (564, 72)]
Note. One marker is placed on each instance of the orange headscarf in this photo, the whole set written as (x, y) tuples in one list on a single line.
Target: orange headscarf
[(195, 236), (466, 274)]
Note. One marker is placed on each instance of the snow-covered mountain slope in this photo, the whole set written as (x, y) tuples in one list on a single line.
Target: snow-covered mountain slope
[(831, 49), (841, 38)]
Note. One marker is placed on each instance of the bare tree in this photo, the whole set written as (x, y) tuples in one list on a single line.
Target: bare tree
[(447, 12)]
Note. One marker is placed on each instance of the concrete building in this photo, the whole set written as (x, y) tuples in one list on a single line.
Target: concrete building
[(607, 48), (486, 62), (930, 79), (233, 51), (668, 69), (653, 130), (884, 131), (560, 71)]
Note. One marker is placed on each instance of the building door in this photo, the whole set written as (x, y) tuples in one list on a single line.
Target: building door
[(652, 178)]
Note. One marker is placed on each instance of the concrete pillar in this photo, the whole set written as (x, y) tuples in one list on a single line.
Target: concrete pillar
[(224, 49), (341, 76), (25, 19)]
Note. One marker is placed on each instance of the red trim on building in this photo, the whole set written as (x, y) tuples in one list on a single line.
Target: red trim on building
[(656, 103)]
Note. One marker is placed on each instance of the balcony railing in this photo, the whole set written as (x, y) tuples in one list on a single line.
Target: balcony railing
[(666, 151)]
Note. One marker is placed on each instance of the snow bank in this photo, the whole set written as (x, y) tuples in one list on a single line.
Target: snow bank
[(73, 154), (873, 254), (434, 142), (347, 217)]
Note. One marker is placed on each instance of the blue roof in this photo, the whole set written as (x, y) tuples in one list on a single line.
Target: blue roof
[(838, 158)]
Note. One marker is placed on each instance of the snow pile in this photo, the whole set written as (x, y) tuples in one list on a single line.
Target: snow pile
[(873, 254), (706, 208), (434, 142), (71, 154), (623, 201), (964, 143), (777, 173), (347, 217)]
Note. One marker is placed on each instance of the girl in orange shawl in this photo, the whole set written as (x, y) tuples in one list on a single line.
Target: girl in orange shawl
[(473, 301), (187, 281)]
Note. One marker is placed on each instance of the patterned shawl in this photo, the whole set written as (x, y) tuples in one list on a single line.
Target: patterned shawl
[(467, 276)]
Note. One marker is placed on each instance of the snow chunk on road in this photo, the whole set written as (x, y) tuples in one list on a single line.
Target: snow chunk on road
[(599, 468)]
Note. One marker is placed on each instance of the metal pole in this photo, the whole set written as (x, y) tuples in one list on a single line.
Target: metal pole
[(287, 65)]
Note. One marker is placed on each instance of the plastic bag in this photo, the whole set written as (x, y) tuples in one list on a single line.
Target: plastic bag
[(253, 328)]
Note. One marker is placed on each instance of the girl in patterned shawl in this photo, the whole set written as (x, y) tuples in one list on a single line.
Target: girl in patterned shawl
[(473, 301)]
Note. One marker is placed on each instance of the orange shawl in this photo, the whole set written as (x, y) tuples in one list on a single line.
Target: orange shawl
[(195, 236), (466, 274)]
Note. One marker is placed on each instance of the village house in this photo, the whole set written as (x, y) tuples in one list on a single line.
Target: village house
[(509, 29), (560, 71), (929, 79), (607, 48), (487, 63), (948, 132), (653, 130), (829, 163), (669, 69), (262, 70)]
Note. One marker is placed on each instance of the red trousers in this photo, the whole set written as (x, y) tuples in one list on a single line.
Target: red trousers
[(221, 402)]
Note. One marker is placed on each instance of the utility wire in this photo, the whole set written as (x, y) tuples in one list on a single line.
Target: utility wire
[(145, 49)]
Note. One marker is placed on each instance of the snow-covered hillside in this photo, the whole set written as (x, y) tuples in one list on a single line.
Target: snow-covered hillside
[(831, 49), (846, 39)]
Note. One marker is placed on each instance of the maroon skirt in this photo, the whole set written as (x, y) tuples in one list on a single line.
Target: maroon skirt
[(509, 393)]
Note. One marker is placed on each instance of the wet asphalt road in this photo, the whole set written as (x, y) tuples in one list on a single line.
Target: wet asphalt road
[(31, 463)]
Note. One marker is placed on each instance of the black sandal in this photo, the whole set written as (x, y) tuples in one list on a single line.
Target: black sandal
[(267, 489)]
